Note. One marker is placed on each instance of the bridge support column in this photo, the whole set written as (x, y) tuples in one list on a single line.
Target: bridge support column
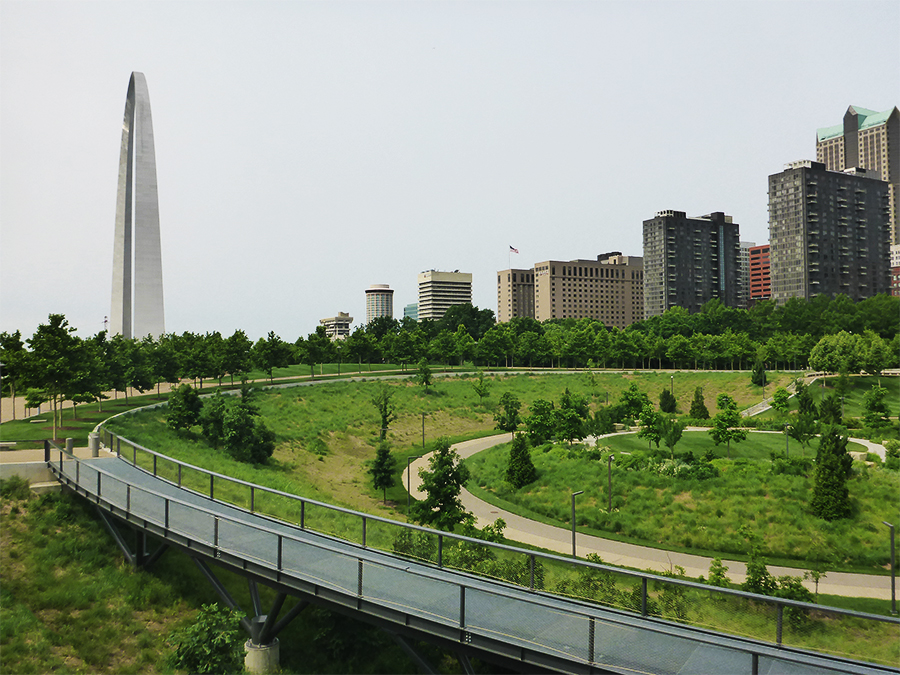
[(261, 659)]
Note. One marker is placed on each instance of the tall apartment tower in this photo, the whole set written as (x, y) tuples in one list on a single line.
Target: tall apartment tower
[(379, 302), (829, 232), (689, 261), (438, 291), (868, 140), (515, 294), (744, 274), (760, 274)]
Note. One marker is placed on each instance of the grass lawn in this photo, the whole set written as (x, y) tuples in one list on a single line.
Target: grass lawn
[(701, 516), (853, 400)]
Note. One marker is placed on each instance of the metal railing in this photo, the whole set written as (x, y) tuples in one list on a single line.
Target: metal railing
[(662, 604)]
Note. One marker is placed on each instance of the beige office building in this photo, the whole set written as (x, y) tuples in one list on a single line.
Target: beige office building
[(337, 327), (438, 291), (515, 294), (379, 302), (609, 289), (869, 140)]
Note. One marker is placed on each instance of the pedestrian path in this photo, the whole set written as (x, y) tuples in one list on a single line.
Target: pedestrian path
[(559, 540)]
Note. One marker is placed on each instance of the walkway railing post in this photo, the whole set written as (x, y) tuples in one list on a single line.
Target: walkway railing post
[(128, 498), (47, 451), (77, 472), (134, 455), (364, 531), (154, 465), (359, 578), (302, 515), (212, 478), (440, 550), (462, 606), (280, 550), (98, 486), (252, 498), (780, 624), (179, 475), (531, 567), (167, 514), (216, 535), (643, 596), (591, 630)]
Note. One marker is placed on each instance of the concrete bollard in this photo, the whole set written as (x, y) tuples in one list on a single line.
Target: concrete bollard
[(70, 445), (261, 659), (94, 443)]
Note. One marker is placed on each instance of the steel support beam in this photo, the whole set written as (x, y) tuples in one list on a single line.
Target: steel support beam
[(222, 591), (418, 659)]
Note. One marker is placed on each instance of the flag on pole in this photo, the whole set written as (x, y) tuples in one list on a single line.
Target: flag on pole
[(513, 250)]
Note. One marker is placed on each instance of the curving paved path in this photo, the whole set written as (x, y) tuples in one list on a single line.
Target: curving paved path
[(559, 539)]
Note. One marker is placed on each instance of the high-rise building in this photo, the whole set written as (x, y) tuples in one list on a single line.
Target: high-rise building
[(515, 294), (744, 274), (411, 311), (608, 289), (869, 140), (379, 302), (438, 291), (760, 270), (689, 261), (829, 232), (337, 327), (137, 304), (895, 270)]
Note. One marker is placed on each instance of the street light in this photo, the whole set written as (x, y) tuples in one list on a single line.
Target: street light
[(893, 571), (423, 431), (612, 458), (408, 460), (786, 437), (574, 494), (672, 379)]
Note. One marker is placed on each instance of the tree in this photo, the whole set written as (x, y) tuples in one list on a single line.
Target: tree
[(649, 427), (271, 353), (667, 402), (803, 429), (212, 643), (520, 471), (382, 469), (442, 483), (877, 415), (481, 386), (758, 374), (507, 416), (51, 366), (698, 405), (831, 498), (725, 421), (245, 436), (237, 356), (805, 403), (423, 376), (383, 402), (830, 410), (670, 430), (633, 401), (212, 419), (465, 344), (184, 408), (541, 423), (13, 357), (781, 400)]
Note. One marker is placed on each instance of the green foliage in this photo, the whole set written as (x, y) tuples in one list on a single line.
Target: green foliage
[(718, 573), (244, 435), (830, 409), (805, 403), (633, 401), (877, 412), (758, 374), (670, 431), (382, 469), (384, 404), (212, 419), (803, 429), (423, 373), (831, 498), (15, 487), (481, 386), (698, 405), (781, 400), (212, 643), (725, 421), (520, 471), (184, 408), (507, 416), (541, 423), (649, 428), (667, 402), (442, 483)]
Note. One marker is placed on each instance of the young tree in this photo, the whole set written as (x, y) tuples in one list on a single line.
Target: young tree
[(383, 402), (13, 357), (803, 429), (725, 421), (382, 469), (423, 375), (482, 387), (781, 400), (507, 416), (877, 414), (51, 365), (830, 409), (245, 436), (831, 498), (442, 483), (237, 356), (670, 430), (271, 353), (212, 643), (758, 374), (667, 402), (521, 470), (541, 423), (184, 408), (805, 403), (212, 419), (698, 405), (649, 427), (633, 401)]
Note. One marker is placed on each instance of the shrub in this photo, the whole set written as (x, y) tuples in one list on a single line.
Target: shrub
[(211, 644), (520, 471), (15, 487), (184, 408)]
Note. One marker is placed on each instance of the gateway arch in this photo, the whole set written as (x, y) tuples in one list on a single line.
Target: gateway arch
[(137, 292)]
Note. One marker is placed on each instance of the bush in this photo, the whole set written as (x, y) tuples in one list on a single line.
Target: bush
[(211, 644), (15, 487), (520, 471)]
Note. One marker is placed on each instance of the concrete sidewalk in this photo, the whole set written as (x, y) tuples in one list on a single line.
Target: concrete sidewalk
[(559, 540)]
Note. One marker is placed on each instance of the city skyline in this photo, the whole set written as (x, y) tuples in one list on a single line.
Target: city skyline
[(367, 142)]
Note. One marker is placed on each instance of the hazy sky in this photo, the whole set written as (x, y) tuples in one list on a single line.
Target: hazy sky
[(306, 150)]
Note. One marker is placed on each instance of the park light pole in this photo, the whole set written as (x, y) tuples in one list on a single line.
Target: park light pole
[(408, 460), (672, 380), (612, 458), (423, 432), (786, 437), (574, 494), (893, 571)]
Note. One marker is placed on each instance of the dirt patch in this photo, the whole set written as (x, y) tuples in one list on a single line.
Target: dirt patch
[(686, 499)]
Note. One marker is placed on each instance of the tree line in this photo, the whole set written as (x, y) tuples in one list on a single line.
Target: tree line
[(834, 335)]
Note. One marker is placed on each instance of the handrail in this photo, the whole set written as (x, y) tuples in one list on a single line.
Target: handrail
[(649, 576)]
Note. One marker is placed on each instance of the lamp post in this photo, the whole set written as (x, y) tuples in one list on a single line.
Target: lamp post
[(408, 460), (612, 458), (574, 494), (423, 432), (786, 437), (893, 571), (672, 380)]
